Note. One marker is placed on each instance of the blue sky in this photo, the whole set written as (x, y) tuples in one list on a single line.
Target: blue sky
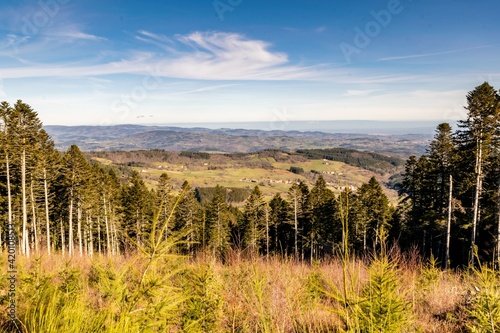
[(166, 62)]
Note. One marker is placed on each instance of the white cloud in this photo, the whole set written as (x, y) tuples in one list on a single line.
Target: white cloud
[(212, 56)]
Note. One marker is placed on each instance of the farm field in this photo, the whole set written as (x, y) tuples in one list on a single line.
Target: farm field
[(272, 176)]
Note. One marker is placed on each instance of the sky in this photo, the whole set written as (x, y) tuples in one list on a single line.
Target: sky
[(89, 62)]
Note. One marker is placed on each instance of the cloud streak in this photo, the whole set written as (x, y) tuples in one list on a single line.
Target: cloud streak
[(423, 55), (199, 55)]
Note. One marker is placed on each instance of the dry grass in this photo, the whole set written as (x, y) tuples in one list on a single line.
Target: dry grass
[(253, 295)]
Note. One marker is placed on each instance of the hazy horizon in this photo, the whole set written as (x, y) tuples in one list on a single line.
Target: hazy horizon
[(327, 126)]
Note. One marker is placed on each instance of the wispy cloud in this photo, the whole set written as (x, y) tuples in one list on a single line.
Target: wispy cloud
[(360, 92), (210, 56), (79, 35), (422, 55)]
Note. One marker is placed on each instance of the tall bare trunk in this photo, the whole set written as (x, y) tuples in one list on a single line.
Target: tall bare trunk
[(115, 235), (475, 218), (267, 233), (108, 238), (25, 241), (91, 238), (448, 229), (295, 226), (9, 200), (79, 227), (70, 235), (34, 219), (63, 245), (99, 235), (47, 220)]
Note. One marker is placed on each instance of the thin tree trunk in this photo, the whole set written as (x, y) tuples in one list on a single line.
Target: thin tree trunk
[(99, 235), (34, 219), (47, 220), (296, 229), (25, 241), (115, 236), (63, 246), (108, 240), (85, 241), (70, 235), (9, 200), (79, 227), (312, 246), (448, 229), (267, 234), (475, 217), (364, 239), (91, 238)]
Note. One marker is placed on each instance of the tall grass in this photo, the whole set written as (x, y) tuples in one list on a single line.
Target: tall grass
[(179, 294)]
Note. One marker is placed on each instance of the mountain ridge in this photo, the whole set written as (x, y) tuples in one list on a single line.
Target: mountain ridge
[(230, 140)]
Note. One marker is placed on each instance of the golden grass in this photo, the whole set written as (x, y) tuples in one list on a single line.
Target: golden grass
[(240, 295)]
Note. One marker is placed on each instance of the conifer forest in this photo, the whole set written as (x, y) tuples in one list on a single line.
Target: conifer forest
[(96, 248)]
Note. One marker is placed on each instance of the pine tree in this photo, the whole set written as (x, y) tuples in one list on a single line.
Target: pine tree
[(187, 219), (73, 180), (217, 223), (322, 224), (136, 208), (165, 201), (477, 137), (378, 211), (298, 195), (281, 223), (25, 126), (254, 227)]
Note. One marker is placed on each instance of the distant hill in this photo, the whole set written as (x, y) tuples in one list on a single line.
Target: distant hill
[(366, 160), (137, 137)]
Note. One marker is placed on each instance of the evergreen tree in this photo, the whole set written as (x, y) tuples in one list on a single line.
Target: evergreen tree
[(217, 223), (376, 204), (298, 195), (165, 201), (137, 208), (477, 137), (281, 223), (73, 180), (187, 219), (254, 227), (322, 227)]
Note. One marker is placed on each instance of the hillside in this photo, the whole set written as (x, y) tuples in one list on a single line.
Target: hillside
[(270, 169)]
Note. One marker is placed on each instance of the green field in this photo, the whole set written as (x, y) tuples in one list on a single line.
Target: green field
[(274, 178)]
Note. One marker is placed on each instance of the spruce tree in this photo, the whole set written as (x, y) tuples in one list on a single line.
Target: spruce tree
[(254, 230)]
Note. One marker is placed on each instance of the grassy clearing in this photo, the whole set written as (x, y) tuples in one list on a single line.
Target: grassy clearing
[(276, 179), (177, 294)]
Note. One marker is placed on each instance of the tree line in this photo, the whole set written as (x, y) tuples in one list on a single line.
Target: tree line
[(449, 203)]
